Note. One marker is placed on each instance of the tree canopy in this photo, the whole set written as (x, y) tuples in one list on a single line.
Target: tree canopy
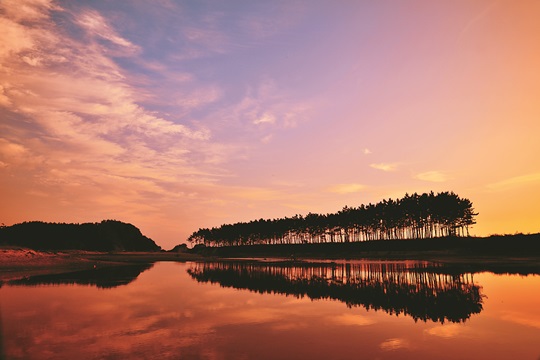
[(414, 216), (108, 235)]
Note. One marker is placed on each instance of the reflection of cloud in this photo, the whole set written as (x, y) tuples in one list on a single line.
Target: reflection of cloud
[(288, 326), (254, 315), (394, 344), (519, 318), (346, 188), (445, 331), (352, 319), (432, 176), (384, 166), (515, 181)]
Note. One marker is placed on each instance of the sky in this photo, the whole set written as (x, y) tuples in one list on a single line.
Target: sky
[(180, 115)]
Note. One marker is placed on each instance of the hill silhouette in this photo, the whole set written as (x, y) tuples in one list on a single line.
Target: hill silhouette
[(108, 235)]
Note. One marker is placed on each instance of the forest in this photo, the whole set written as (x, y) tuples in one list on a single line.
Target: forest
[(107, 235), (415, 216)]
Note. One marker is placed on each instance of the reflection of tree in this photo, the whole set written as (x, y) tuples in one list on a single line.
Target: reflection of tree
[(394, 288), (108, 277)]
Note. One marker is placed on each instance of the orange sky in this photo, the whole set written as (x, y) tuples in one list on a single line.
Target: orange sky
[(181, 115)]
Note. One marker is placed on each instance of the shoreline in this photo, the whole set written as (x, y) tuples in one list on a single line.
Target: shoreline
[(20, 263)]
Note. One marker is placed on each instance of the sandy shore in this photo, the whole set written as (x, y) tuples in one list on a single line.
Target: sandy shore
[(17, 263)]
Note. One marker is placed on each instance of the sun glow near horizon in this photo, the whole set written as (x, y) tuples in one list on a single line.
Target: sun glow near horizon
[(176, 117)]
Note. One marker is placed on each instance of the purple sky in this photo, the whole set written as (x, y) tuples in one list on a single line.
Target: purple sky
[(176, 115)]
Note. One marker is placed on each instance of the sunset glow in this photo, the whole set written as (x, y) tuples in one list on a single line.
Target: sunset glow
[(177, 115)]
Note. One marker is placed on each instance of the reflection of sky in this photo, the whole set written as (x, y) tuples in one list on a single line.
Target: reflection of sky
[(175, 115), (165, 314)]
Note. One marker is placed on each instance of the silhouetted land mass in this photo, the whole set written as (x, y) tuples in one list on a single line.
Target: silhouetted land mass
[(109, 277), (428, 215), (394, 288), (519, 244), (499, 254), (108, 235)]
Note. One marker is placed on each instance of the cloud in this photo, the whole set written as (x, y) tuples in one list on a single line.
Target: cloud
[(366, 151), (27, 10), (208, 38), (515, 182), (432, 176), (347, 188), (196, 98), (265, 104), (73, 124), (384, 166), (267, 139), (266, 118), (97, 26)]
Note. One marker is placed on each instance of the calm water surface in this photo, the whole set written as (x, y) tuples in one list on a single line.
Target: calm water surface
[(358, 310)]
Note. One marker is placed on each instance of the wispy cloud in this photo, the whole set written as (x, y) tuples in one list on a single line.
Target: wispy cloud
[(268, 104), (432, 176), (27, 10), (72, 124), (347, 188), (515, 182), (267, 139), (384, 166), (96, 25), (366, 151), (266, 118)]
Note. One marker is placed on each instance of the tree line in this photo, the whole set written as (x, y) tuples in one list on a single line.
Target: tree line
[(428, 215), (107, 235)]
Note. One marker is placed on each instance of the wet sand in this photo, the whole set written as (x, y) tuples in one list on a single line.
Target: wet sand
[(17, 263)]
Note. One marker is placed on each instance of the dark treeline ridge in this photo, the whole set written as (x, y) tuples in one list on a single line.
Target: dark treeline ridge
[(108, 235), (414, 216), (500, 254)]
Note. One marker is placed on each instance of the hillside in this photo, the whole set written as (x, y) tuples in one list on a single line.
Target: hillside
[(108, 235)]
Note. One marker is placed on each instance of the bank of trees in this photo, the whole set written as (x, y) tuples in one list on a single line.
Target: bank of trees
[(108, 235), (414, 216)]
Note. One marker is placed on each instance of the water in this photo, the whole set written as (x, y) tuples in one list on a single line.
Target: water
[(354, 310)]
